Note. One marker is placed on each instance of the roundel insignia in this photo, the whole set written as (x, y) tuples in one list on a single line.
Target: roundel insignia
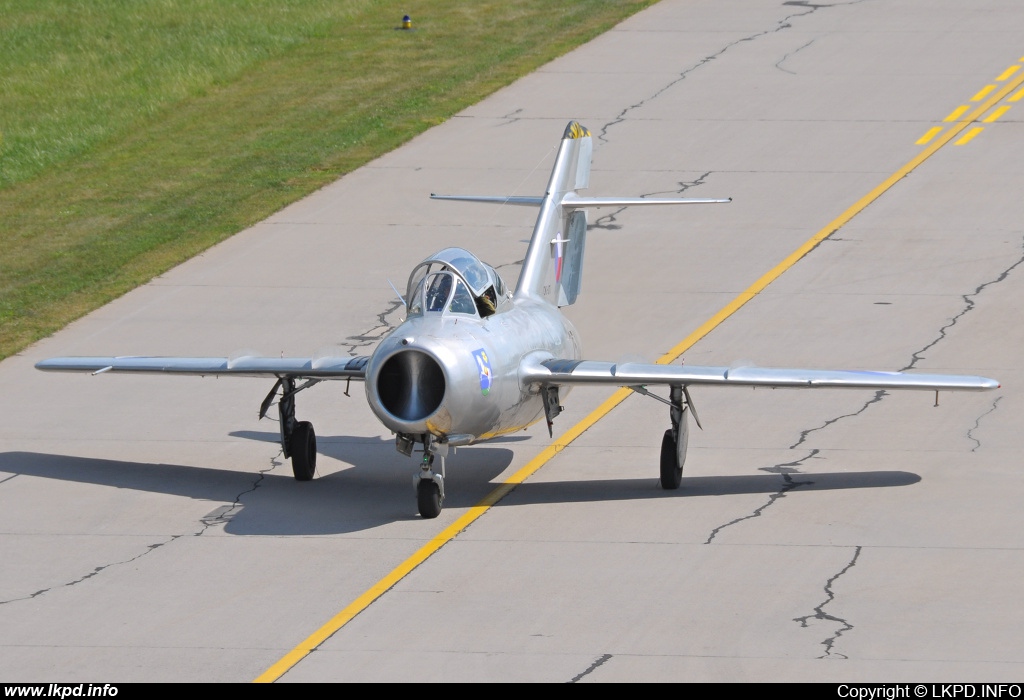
[(484, 365)]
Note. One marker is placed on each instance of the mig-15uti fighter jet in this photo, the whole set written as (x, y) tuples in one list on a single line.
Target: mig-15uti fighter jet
[(475, 360)]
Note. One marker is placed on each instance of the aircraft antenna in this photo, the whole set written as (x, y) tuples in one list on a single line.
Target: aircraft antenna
[(400, 297)]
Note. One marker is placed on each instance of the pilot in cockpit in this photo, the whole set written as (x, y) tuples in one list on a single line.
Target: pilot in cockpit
[(487, 303)]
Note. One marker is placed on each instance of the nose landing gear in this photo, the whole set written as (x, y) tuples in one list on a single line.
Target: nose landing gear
[(428, 496), (430, 485)]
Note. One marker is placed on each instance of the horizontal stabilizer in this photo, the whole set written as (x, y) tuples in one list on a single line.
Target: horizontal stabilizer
[(571, 201), (516, 201)]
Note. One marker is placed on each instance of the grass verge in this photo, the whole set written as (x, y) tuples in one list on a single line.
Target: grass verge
[(137, 133)]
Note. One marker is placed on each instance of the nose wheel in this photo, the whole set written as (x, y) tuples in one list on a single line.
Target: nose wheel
[(428, 498), (429, 484)]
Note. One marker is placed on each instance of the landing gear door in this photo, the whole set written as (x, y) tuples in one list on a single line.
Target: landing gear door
[(569, 258)]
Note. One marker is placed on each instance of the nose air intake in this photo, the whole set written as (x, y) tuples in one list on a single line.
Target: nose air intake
[(411, 385)]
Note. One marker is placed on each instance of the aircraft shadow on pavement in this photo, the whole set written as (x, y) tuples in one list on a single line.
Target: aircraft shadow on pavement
[(377, 488), (697, 486)]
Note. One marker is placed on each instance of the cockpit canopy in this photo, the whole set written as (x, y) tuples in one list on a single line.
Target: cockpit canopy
[(456, 281)]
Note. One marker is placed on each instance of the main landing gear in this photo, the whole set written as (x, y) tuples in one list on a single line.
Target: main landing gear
[(674, 442), (298, 440), (303, 451), (676, 438)]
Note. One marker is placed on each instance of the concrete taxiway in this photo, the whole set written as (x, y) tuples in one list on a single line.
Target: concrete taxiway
[(151, 531)]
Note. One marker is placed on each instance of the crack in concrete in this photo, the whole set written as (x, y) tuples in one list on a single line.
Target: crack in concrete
[(793, 467), (224, 514), (96, 571), (918, 355), (790, 55), (780, 25), (785, 470), (609, 219), (590, 669), (217, 517), (511, 117), (977, 424), (820, 614), (968, 307), (879, 395), (683, 186), (375, 334), (516, 263)]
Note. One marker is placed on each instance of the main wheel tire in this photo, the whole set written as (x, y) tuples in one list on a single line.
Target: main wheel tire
[(671, 469), (303, 451), (428, 498)]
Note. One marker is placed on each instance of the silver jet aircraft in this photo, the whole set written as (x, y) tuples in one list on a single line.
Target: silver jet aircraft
[(476, 360)]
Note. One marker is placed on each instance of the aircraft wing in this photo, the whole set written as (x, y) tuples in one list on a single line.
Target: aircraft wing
[(578, 372), (244, 366)]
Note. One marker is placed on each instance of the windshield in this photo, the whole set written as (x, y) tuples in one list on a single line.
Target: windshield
[(434, 294), (439, 288), (462, 301)]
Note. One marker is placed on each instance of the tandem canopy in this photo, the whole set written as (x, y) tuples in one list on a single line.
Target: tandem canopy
[(483, 281)]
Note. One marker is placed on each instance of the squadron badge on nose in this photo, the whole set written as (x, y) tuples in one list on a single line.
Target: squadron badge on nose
[(484, 365)]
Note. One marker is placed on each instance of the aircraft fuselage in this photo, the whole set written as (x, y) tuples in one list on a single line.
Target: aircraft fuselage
[(457, 377)]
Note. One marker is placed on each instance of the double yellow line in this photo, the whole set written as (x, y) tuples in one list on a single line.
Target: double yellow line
[(449, 533)]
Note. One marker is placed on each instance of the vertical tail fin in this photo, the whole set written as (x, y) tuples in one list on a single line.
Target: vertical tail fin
[(553, 267)]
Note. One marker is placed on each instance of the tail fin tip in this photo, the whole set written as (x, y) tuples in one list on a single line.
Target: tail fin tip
[(575, 130)]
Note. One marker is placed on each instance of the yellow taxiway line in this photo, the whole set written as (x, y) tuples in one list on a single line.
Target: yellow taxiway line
[(289, 660)]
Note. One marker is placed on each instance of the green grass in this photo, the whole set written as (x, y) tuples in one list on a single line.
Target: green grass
[(137, 133)]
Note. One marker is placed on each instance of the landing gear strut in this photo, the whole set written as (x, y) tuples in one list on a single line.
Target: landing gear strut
[(676, 438), (674, 442), (429, 485), (298, 440)]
